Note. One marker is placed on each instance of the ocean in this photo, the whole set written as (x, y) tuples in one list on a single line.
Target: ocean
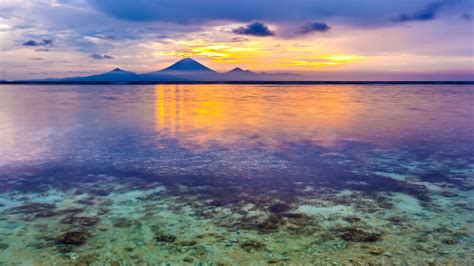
[(229, 174)]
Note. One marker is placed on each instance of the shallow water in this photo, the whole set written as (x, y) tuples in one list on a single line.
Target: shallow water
[(236, 174)]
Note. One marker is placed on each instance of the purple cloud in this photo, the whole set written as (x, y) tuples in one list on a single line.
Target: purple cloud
[(43, 42), (101, 56), (429, 12), (293, 11), (255, 29), (314, 27)]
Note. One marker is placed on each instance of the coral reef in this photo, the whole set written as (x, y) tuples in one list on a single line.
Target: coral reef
[(359, 235), (252, 245)]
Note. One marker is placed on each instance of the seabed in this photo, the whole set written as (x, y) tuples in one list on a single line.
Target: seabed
[(101, 219)]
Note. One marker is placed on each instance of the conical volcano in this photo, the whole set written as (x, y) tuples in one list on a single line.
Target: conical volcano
[(187, 64)]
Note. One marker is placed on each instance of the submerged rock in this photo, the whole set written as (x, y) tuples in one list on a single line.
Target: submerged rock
[(163, 237), (395, 220), (273, 261), (279, 208), (114, 263), (358, 235), (252, 245), (450, 241), (188, 259), (73, 238), (352, 219), (293, 215), (303, 225), (4, 246), (188, 243), (271, 224)]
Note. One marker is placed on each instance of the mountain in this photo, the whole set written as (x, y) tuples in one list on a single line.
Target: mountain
[(116, 75), (237, 70), (240, 71), (187, 65), (185, 70), (239, 74)]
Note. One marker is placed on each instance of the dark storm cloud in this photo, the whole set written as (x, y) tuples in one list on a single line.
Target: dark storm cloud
[(192, 12), (31, 43), (429, 12), (101, 56), (314, 27), (255, 29), (43, 42)]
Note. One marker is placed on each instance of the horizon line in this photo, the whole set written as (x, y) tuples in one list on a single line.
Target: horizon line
[(315, 82)]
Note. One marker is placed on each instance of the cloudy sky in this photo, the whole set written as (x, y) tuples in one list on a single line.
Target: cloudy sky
[(326, 39)]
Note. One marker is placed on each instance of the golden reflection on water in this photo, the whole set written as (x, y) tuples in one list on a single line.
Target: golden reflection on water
[(42, 123), (201, 115)]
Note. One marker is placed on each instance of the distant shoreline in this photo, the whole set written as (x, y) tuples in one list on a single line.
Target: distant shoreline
[(245, 82)]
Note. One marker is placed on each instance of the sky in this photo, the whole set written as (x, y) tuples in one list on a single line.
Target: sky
[(323, 39)]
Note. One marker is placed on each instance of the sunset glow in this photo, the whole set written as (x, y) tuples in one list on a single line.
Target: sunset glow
[(335, 42), (249, 132)]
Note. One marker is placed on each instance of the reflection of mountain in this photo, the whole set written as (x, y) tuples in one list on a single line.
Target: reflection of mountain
[(185, 70), (199, 116)]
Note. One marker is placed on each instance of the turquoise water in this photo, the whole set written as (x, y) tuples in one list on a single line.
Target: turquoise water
[(236, 174)]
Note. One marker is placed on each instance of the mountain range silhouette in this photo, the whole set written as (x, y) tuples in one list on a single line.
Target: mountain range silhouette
[(185, 70)]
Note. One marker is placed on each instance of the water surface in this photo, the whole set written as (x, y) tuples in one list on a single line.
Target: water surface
[(228, 174)]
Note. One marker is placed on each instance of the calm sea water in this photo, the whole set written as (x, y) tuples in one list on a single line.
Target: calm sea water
[(228, 174)]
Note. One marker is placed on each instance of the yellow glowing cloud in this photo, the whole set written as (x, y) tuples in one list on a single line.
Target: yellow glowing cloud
[(342, 58), (257, 54), (218, 52), (313, 64), (327, 60)]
